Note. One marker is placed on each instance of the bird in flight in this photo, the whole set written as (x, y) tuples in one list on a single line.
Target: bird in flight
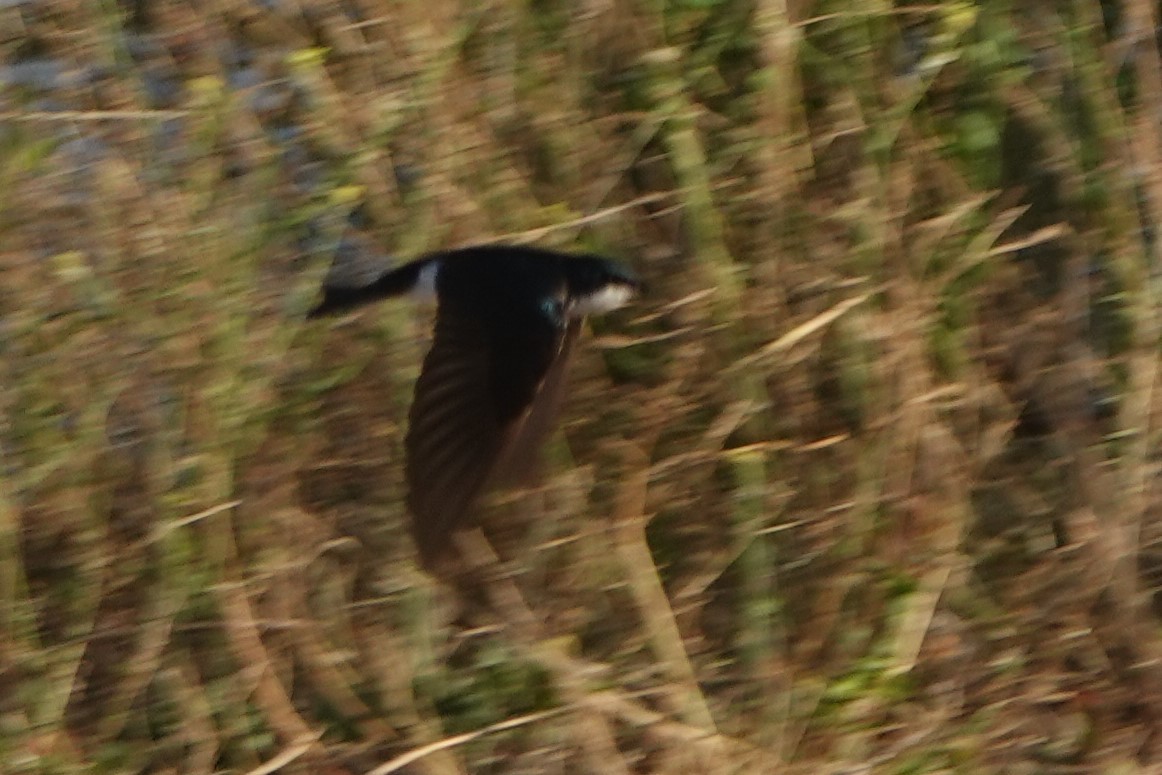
[(507, 318)]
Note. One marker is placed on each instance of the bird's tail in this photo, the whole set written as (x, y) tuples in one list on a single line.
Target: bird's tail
[(338, 299)]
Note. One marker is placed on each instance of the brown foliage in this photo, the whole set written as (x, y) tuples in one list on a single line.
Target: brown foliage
[(866, 484)]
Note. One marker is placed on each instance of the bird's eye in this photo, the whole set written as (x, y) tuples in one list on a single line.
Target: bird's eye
[(554, 310)]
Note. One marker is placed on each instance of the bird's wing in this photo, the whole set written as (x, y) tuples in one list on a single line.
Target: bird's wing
[(519, 460), (472, 396)]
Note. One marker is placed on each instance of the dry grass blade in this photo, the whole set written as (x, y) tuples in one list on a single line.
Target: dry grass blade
[(403, 760), (292, 752), (269, 692), (646, 587), (160, 532), (981, 247), (95, 115), (799, 333), (536, 235), (917, 618), (1145, 139), (1039, 237)]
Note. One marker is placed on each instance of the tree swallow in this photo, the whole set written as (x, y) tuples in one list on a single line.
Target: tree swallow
[(489, 388)]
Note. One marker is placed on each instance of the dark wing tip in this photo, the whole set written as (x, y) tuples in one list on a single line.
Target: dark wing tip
[(434, 546), (435, 549)]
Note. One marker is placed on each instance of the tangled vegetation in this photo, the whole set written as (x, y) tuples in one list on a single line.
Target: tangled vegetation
[(867, 483)]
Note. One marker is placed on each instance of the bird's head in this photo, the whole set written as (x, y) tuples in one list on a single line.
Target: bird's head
[(599, 285)]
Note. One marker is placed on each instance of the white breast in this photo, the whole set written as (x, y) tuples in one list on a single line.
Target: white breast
[(608, 298)]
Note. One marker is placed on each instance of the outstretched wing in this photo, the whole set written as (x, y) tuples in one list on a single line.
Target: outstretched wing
[(471, 402)]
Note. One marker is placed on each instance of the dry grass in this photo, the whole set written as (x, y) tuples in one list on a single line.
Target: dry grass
[(868, 484)]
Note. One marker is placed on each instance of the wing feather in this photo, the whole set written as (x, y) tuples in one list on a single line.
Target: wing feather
[(471, 403)]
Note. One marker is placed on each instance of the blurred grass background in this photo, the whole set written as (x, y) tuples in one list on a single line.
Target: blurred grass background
[(868, 483)]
